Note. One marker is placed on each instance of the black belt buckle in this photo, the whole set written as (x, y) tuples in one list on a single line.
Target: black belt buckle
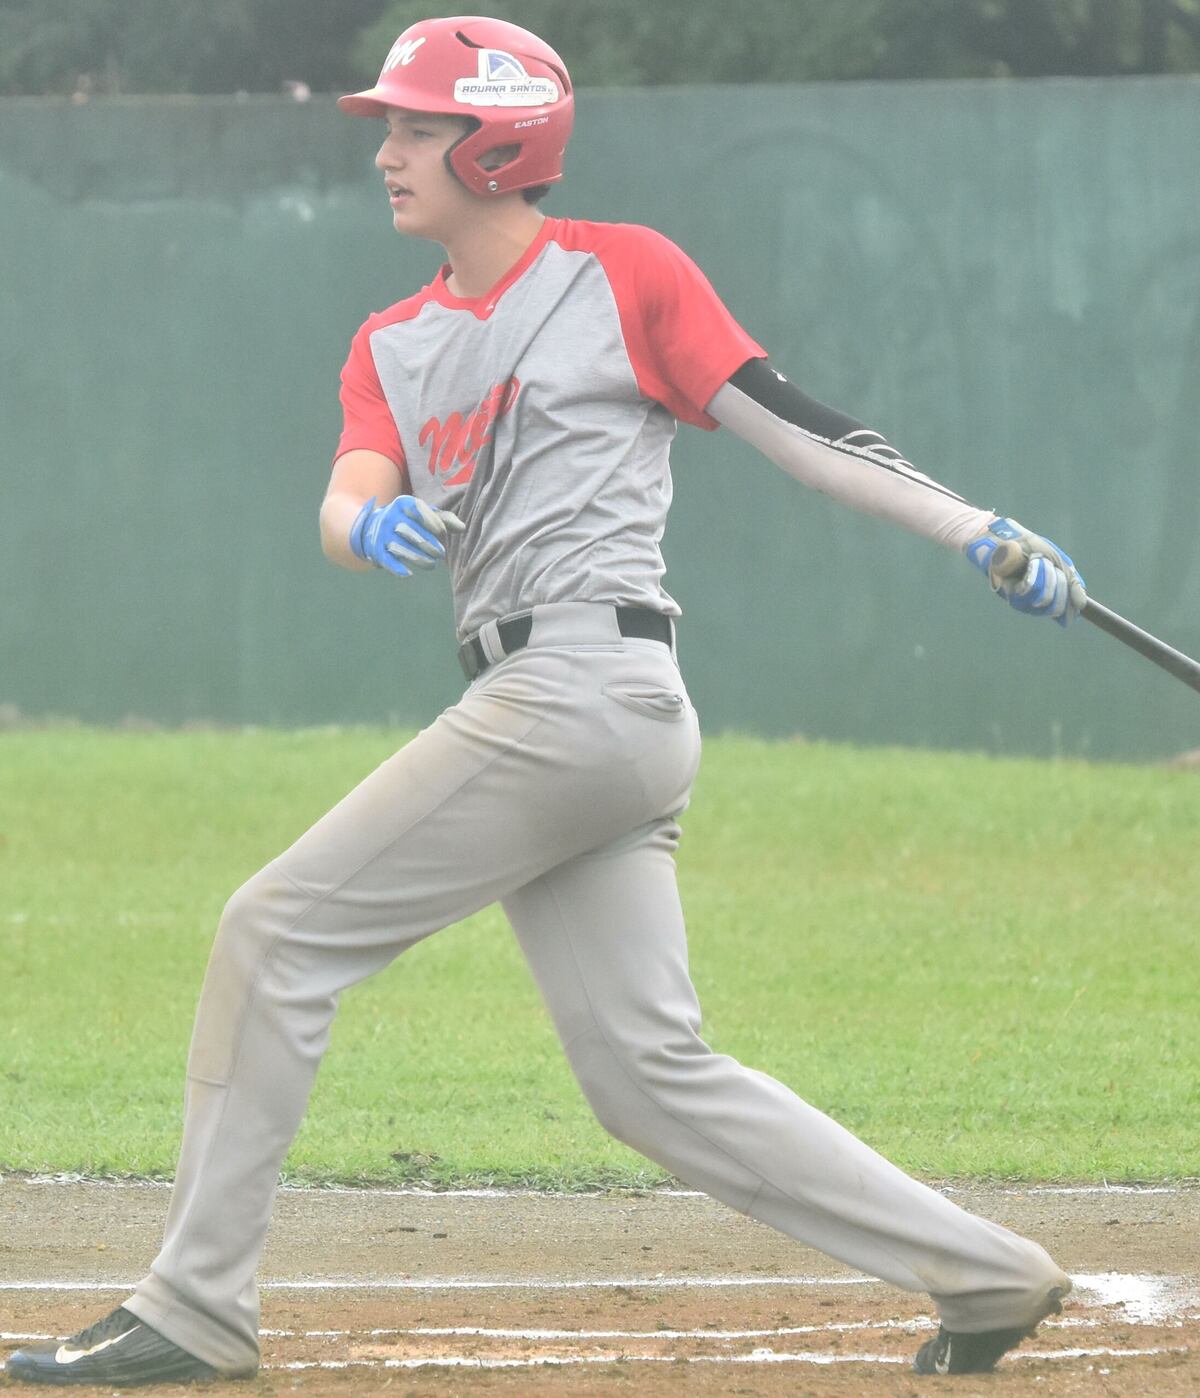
[(471, 657)]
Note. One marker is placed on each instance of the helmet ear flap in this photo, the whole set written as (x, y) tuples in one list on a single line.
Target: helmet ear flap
[(473, 125), (500, 157), (497, 160), (508, 154), (481, 157)]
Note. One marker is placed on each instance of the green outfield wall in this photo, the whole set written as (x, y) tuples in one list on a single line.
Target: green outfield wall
[(1002, 277)]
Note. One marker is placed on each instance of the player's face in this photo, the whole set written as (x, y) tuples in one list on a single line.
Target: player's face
[(427, 200)]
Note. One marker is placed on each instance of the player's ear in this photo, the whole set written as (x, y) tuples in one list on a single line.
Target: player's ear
[(500, 157)]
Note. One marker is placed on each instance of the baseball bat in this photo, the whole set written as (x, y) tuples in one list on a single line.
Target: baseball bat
[(1010, 558)]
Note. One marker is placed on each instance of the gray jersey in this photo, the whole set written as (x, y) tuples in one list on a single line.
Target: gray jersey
[(543, 413)]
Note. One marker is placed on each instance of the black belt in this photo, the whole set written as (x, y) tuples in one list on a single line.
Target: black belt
[(514, 633)]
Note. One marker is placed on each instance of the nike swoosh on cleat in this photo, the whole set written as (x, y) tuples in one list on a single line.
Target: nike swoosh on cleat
[(64, 1355)]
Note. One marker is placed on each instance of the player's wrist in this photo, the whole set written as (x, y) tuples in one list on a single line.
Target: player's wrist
[(358, 530)]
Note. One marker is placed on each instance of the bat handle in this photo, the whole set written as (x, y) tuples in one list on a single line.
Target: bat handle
[(1008, 559)]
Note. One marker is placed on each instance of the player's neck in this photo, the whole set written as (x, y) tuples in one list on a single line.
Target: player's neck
[(480, 253)]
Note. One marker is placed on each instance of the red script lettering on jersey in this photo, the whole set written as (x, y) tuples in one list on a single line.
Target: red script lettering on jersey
[(456, 442)]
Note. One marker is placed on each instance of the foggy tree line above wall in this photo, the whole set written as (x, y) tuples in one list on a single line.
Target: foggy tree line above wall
[(97, 47)]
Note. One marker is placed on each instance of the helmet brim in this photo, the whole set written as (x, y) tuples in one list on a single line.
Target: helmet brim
[(378, 101), (369, 103)]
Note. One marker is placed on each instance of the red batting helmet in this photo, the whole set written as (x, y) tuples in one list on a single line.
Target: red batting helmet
[(511, 84)]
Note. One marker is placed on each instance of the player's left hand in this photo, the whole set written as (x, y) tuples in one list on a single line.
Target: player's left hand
[(1048, 586), (403, 534)]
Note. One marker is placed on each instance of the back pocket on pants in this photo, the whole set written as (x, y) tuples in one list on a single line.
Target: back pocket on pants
[(651, 700)]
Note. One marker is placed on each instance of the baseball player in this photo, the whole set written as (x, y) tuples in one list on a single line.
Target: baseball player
[(512, 421)]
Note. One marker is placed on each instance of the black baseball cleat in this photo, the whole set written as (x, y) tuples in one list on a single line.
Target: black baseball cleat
[(120, 1350), (952, 1352)]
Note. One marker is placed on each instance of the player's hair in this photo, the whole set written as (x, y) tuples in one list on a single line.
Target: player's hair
[(536, 193)]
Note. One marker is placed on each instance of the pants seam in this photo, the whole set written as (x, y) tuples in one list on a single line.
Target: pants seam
[(269, 951), (763, 1180), (644, 1092), (316, 899)]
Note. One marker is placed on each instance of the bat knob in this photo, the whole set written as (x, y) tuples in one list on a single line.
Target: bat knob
[(1008, 560)]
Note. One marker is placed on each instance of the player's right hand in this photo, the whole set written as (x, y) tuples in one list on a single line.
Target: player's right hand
[(403, 535), (1045, 582)]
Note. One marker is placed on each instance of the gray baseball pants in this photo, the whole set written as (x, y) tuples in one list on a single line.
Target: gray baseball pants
[(552, 786)]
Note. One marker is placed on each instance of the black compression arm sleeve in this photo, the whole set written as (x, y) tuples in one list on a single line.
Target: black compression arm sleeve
[(766, 385), (763, 383)]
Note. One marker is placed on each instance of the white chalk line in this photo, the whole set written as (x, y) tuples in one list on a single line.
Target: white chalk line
[(1142, 1297), (760, 1355), (475, 1284), (617, 1191), (503, 1333), (757, 1356), (389, 1192), (921, 1322), (506, 1333), (1090, 1189), (911, 1326), (554, 1361)]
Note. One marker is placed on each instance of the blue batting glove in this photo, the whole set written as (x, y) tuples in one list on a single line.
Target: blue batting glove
[(403, 535), (1049, 585)]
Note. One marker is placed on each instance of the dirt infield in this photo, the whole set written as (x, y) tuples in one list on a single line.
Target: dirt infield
[(409, 1293)]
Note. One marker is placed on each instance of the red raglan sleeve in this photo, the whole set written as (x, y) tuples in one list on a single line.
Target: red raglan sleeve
[(683, 342), (367, 422)]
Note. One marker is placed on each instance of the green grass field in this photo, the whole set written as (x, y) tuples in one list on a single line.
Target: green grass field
[(981, 966)]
